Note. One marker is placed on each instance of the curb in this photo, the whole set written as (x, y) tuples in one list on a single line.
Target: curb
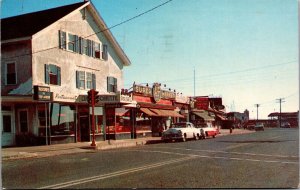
[(85, 148)]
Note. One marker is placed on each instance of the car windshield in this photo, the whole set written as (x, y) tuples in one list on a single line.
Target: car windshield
[(179, 125)]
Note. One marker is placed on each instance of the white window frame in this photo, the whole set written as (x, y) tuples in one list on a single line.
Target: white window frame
[(10, 62)]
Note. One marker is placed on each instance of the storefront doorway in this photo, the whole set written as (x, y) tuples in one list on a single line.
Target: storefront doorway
[(84, 128), (8, 136)]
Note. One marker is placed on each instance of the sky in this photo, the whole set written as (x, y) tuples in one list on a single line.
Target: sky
[(245, 51)]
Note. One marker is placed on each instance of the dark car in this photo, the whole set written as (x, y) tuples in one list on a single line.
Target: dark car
[(259, 127)]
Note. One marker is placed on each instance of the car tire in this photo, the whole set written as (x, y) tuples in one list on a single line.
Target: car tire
[(184, 138)]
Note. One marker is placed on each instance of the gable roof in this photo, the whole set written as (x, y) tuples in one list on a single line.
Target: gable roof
[(29, 24)]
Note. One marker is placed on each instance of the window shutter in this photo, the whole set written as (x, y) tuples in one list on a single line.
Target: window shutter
[(94, 81), (47, 79), (108, 85), (115, 84), (59, 39), (62, 39), (89, 47), (80, 45), (77, 79), (58, 76), (93, 48), (104, 53), (76, 44)]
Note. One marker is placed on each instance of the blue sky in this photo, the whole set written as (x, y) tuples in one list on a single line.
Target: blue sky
[(245, 51)]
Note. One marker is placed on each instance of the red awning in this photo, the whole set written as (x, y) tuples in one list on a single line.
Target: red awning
[(167, 113), (148, 112), (121, 111), (221, 117)]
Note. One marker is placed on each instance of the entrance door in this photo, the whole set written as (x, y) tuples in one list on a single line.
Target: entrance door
[(23, 121), (84, 128), (8, 137)]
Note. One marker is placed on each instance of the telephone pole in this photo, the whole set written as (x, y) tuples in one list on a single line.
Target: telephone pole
[(280, 100), (257, 105)]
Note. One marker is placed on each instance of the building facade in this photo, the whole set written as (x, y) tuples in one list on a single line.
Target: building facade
[(50, 59)]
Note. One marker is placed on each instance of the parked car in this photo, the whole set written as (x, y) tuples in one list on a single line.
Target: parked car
[(208, 131), (259, 127), (250, 127), (181, 131), (285, 125)]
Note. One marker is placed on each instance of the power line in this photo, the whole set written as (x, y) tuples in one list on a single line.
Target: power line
[(231, 72), (106, 29)]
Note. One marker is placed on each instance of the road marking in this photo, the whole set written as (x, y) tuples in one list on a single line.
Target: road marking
[(114, 174), (221, 157), (228, 152)]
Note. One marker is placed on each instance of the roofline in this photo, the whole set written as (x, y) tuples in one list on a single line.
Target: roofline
[(16, 40), (110, 36)]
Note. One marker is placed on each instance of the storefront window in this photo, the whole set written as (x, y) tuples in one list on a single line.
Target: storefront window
[(63, 119)]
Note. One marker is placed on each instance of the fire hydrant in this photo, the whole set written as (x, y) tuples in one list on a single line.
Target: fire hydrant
[(230, 130)]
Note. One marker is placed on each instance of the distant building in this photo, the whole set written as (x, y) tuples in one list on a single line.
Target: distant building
[(206, 109), (291, 118), (238, 119), (49, 60)]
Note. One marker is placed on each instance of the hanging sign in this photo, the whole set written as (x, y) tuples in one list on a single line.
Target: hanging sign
[(42, 93)]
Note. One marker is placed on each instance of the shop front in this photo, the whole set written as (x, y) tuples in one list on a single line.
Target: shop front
[(153, 112)]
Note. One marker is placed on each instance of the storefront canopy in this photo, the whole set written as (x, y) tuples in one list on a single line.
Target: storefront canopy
[(148, 112), (166, 113), (204, 115)]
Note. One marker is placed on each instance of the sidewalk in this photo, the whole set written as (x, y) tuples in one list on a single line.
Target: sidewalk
[(70, 148)]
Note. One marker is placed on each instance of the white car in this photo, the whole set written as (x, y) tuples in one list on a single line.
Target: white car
[(208, 131), (181, 131)]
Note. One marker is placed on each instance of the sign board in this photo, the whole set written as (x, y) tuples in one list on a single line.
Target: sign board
[(201, 102), (156, 92), (42, 93), (97, 110)]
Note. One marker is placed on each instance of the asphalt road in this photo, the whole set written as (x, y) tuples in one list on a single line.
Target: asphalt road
[(266, 159)]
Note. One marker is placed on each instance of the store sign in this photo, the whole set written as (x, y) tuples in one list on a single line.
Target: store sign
[(65, 97), (202, 102), (125, 98), (42, 93), (107, 98), (154, 92)]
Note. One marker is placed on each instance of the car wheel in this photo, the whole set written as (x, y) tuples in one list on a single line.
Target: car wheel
[(184, 138)]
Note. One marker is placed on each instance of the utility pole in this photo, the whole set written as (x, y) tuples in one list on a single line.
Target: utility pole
[(194, 82), (280, 101), (257, 105)]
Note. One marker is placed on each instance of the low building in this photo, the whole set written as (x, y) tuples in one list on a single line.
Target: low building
[(49, 60), (291, 118)]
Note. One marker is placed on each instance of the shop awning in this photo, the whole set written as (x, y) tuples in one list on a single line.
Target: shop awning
[(204, 115), (121, 111), (221, 117), (167, 113), (148, 112)]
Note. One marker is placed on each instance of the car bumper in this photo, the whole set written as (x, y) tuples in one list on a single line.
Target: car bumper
[(171, 137)]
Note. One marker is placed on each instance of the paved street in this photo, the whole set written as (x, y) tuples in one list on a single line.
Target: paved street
[(267, 159)]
